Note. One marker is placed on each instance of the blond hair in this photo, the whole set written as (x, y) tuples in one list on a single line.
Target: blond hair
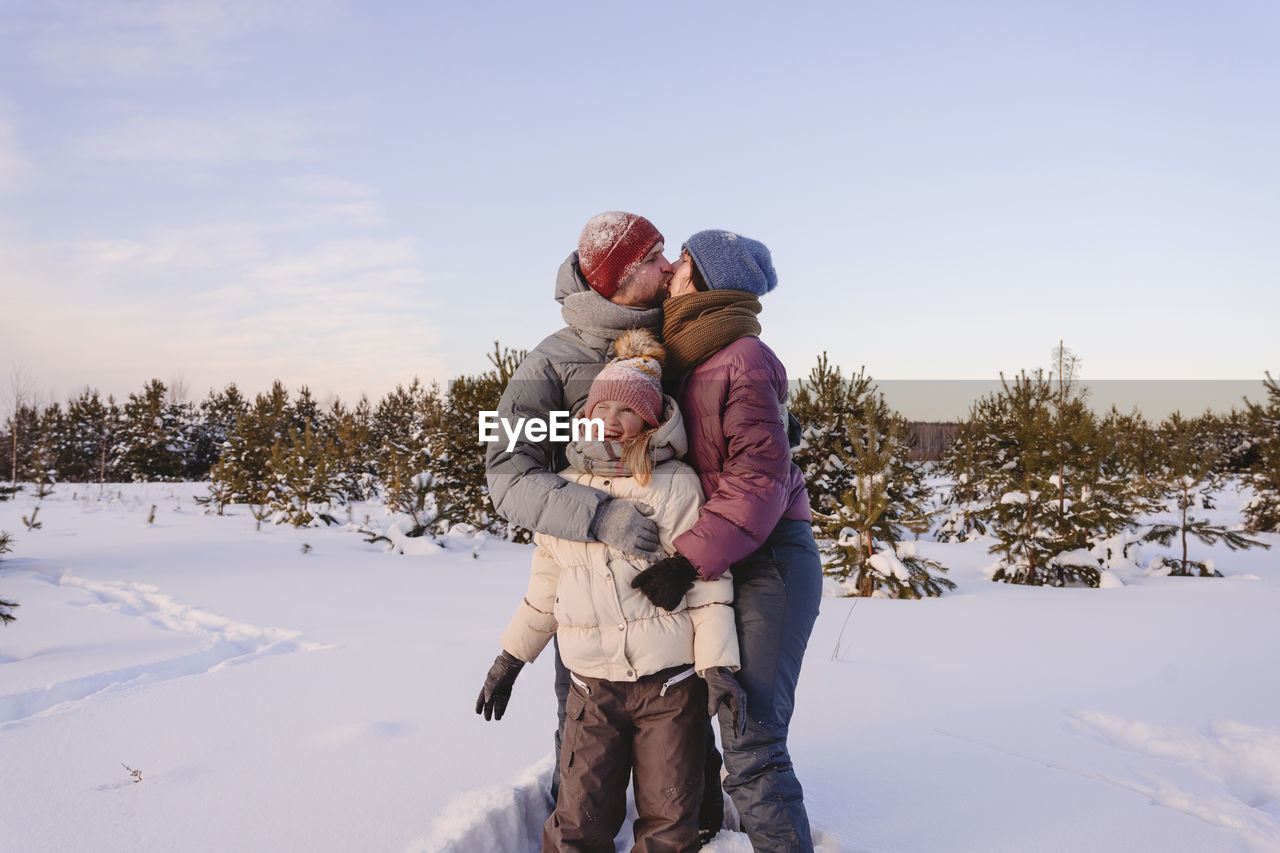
[(635, 454)]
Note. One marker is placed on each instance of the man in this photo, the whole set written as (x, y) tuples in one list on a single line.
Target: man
[(616, 280)]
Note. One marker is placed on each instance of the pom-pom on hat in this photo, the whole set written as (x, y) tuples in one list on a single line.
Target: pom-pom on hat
[(611, 246), (730, 261), (633, 378)]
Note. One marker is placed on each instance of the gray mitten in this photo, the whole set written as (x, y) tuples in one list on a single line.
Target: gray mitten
[(624, 525), (724, 689)]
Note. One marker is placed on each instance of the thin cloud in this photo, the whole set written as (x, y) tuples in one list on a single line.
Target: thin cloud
[(140, 38), (245, 301), (186, 141), (16, 168), (330, 200), (329, 187)]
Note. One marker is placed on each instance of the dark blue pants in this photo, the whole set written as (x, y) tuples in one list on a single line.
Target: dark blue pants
[(776, 595)]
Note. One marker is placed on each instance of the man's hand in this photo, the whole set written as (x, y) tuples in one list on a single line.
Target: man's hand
[(724, 689), (666, 582), (625, 525), (497, 686)]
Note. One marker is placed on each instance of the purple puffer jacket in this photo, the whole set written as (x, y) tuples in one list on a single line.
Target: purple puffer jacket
[(733, 411)]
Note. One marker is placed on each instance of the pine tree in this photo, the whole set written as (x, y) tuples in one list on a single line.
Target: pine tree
[(51, 441), (153, 443), (349, 430), (402, 424), (92, 426), (243, 473), (1055, 490), (1135, 448), (963, 466), (1187, 477), (1262, 511), (218, 414), (1018, 491), (1033, 434), (302, 479), (6, 607), (20, 435), (867, 494), (461, 491)]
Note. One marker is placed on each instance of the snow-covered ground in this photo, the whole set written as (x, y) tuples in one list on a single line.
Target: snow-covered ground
[(279, 698)]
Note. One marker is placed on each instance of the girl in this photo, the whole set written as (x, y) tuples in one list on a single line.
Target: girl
[(633, 705)]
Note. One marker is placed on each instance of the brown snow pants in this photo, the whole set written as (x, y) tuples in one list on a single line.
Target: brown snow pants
[(656, 726)]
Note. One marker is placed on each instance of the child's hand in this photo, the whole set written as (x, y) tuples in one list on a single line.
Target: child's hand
[(497, 686), (666, 582)]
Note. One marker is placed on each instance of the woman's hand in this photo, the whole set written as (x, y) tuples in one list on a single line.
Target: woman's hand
[(666, 582)]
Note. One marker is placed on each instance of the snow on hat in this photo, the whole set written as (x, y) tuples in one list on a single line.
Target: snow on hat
[(633, 378), (611, 246), (730, 261)]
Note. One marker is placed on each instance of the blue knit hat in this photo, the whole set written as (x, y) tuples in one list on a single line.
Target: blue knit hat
[(730, 261)]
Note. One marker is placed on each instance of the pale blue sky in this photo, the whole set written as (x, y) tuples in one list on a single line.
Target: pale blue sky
[(349, 194)]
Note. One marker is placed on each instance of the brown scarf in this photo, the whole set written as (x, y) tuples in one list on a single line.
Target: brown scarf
[(697, 325)]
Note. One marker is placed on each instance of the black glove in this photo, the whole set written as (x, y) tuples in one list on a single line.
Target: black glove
[(625, 525), (666, 581), (497, 686), (724, 689)]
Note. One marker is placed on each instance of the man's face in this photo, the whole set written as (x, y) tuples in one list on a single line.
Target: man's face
[(647, 287)]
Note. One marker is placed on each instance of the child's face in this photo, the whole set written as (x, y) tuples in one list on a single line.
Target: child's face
[(620, 421)]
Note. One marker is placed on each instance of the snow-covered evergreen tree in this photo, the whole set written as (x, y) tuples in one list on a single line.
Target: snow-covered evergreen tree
[(51, 447), (349, 430), (402, 424), (21, 429), (1187, 476), (1230, 439), (153, 440), (866, 493), (965, 468), (1262, 511), (243, 473), (303, 477), (92, 425), (461, 491), (6, 607), (1050, 489), (217, 417)]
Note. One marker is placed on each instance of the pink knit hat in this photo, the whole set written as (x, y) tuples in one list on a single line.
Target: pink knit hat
[(611, 246), (633, 378)]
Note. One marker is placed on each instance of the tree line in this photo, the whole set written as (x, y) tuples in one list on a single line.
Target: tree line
[(1058, 487)]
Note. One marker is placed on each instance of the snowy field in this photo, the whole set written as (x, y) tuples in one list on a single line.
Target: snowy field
[(276, 697)]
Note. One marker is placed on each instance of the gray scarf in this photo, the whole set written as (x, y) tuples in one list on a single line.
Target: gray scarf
[(605, 458), (592, 314)]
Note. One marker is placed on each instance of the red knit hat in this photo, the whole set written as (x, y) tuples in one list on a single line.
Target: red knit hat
[(611, 246)]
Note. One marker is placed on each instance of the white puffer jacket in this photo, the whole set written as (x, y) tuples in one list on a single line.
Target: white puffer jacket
[(582, 590)]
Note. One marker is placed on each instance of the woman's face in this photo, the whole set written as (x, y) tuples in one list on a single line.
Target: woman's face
[(682, 276), (620, 420)]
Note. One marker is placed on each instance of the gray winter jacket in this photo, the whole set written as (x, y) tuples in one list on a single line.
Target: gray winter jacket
[(556, 376)]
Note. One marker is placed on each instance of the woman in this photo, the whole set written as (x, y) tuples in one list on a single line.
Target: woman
[(732, 389)]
